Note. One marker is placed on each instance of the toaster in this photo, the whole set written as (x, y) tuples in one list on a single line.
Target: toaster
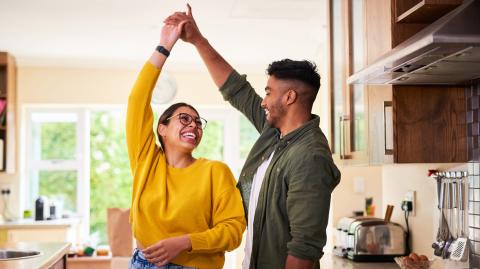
[(375, 240), (341, 246)]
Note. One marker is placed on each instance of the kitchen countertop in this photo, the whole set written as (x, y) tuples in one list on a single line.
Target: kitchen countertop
[(51, 253), (30, 223), (330, 261)]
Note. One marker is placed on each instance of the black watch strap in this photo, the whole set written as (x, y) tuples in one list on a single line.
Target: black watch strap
[(163, 50)]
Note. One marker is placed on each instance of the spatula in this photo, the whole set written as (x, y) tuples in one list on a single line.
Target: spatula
[(459, 249)]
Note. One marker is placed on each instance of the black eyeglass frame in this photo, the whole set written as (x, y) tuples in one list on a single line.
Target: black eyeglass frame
[(201, 125)]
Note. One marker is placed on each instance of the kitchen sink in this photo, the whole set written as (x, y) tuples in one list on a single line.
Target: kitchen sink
[(6, 255)]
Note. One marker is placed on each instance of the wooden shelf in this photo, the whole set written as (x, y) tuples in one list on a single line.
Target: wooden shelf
[(3, 59), (8, 85), (425, 11)]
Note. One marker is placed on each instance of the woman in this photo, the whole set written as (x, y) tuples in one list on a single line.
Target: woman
[(186, 212)]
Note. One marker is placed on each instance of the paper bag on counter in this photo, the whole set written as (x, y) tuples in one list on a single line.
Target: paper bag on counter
[(119, 232)]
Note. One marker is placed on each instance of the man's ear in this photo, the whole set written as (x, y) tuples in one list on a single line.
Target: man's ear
[(291, 97)]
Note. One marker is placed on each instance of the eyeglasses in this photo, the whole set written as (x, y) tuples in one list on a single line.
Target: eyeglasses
[(186, 119)]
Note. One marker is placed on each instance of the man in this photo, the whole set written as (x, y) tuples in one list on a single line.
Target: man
[(288, 177)]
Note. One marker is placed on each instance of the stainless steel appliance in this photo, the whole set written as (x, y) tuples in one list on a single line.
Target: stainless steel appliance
[(447, 52), (343, 226), (372, 239)]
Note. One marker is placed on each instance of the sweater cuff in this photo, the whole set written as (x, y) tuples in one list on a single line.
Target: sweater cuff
[(232, 85), (199, 242), (149, 67)]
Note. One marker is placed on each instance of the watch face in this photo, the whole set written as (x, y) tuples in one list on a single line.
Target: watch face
[(165, 89)]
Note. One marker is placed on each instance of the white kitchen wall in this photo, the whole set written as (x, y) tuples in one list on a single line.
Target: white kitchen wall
[(397, 179)]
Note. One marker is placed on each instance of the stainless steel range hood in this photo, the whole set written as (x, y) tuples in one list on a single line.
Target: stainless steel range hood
[(444, 53)]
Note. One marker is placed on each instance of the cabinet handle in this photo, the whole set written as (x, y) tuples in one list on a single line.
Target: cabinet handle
[(388, 127), (340, 125), (343, 120)]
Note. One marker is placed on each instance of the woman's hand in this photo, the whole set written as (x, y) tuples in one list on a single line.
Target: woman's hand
[(162, 252), (170, 34)]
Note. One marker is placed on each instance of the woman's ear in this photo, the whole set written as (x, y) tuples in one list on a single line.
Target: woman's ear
[(162, 129)]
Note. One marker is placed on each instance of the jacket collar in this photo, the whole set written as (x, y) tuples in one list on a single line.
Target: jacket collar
[(309, 125)]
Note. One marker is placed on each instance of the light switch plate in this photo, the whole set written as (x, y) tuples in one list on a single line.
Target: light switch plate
[(358, 185)]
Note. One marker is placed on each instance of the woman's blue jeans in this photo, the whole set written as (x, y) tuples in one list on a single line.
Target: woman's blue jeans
[(138, 261)]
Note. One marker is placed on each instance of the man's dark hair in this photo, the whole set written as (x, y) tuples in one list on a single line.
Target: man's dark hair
[(304, 71), (169, 113)]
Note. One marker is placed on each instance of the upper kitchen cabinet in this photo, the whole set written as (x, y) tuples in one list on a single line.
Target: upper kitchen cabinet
[(7, 112), (415, 76), (423, 11), (349, 102), (378, 41)]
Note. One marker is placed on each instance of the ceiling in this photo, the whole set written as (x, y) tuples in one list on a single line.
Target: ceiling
[(122, 32)]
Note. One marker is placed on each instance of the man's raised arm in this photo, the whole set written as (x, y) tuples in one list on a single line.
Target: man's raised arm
[(218, 68)]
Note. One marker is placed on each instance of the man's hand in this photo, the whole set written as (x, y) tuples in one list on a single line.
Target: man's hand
[(162, 252), (190, 32), (293, 262)]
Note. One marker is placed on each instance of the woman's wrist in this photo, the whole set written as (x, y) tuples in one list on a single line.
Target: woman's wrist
[(166, 45), (186, 242)]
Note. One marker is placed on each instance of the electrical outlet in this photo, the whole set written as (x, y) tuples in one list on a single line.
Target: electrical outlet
[(410, 197), (6, 192), (5, 189)]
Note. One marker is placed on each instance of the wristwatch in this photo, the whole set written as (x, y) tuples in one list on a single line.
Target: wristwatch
[(163, 50)]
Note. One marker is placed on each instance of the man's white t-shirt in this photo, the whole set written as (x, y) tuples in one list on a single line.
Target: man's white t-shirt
[(252, 206)]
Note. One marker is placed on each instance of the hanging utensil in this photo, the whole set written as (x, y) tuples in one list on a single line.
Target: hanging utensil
[(459, 250), (442, 233), (453, 218), (450, 238)]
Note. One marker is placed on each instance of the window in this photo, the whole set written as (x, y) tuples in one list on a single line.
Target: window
[(78, 157), (57, 168)]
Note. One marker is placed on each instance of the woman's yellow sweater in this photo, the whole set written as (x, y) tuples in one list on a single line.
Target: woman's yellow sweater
[(200, 200)]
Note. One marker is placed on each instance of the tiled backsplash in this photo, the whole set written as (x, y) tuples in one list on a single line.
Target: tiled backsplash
[(473, 132), (474, 213)]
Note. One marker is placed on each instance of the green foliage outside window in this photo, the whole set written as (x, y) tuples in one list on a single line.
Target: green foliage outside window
[(110, 176), (248, 136), (211, 146), (59, 186), (57, 140)]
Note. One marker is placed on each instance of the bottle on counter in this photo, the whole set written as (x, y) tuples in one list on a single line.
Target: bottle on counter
[(52, 211), (39, 208)]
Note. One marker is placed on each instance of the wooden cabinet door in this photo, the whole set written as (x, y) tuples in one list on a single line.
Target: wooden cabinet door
[(378, 31), (348, 103), (430, 124)]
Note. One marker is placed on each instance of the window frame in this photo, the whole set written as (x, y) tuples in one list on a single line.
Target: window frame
[(81, 163)]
